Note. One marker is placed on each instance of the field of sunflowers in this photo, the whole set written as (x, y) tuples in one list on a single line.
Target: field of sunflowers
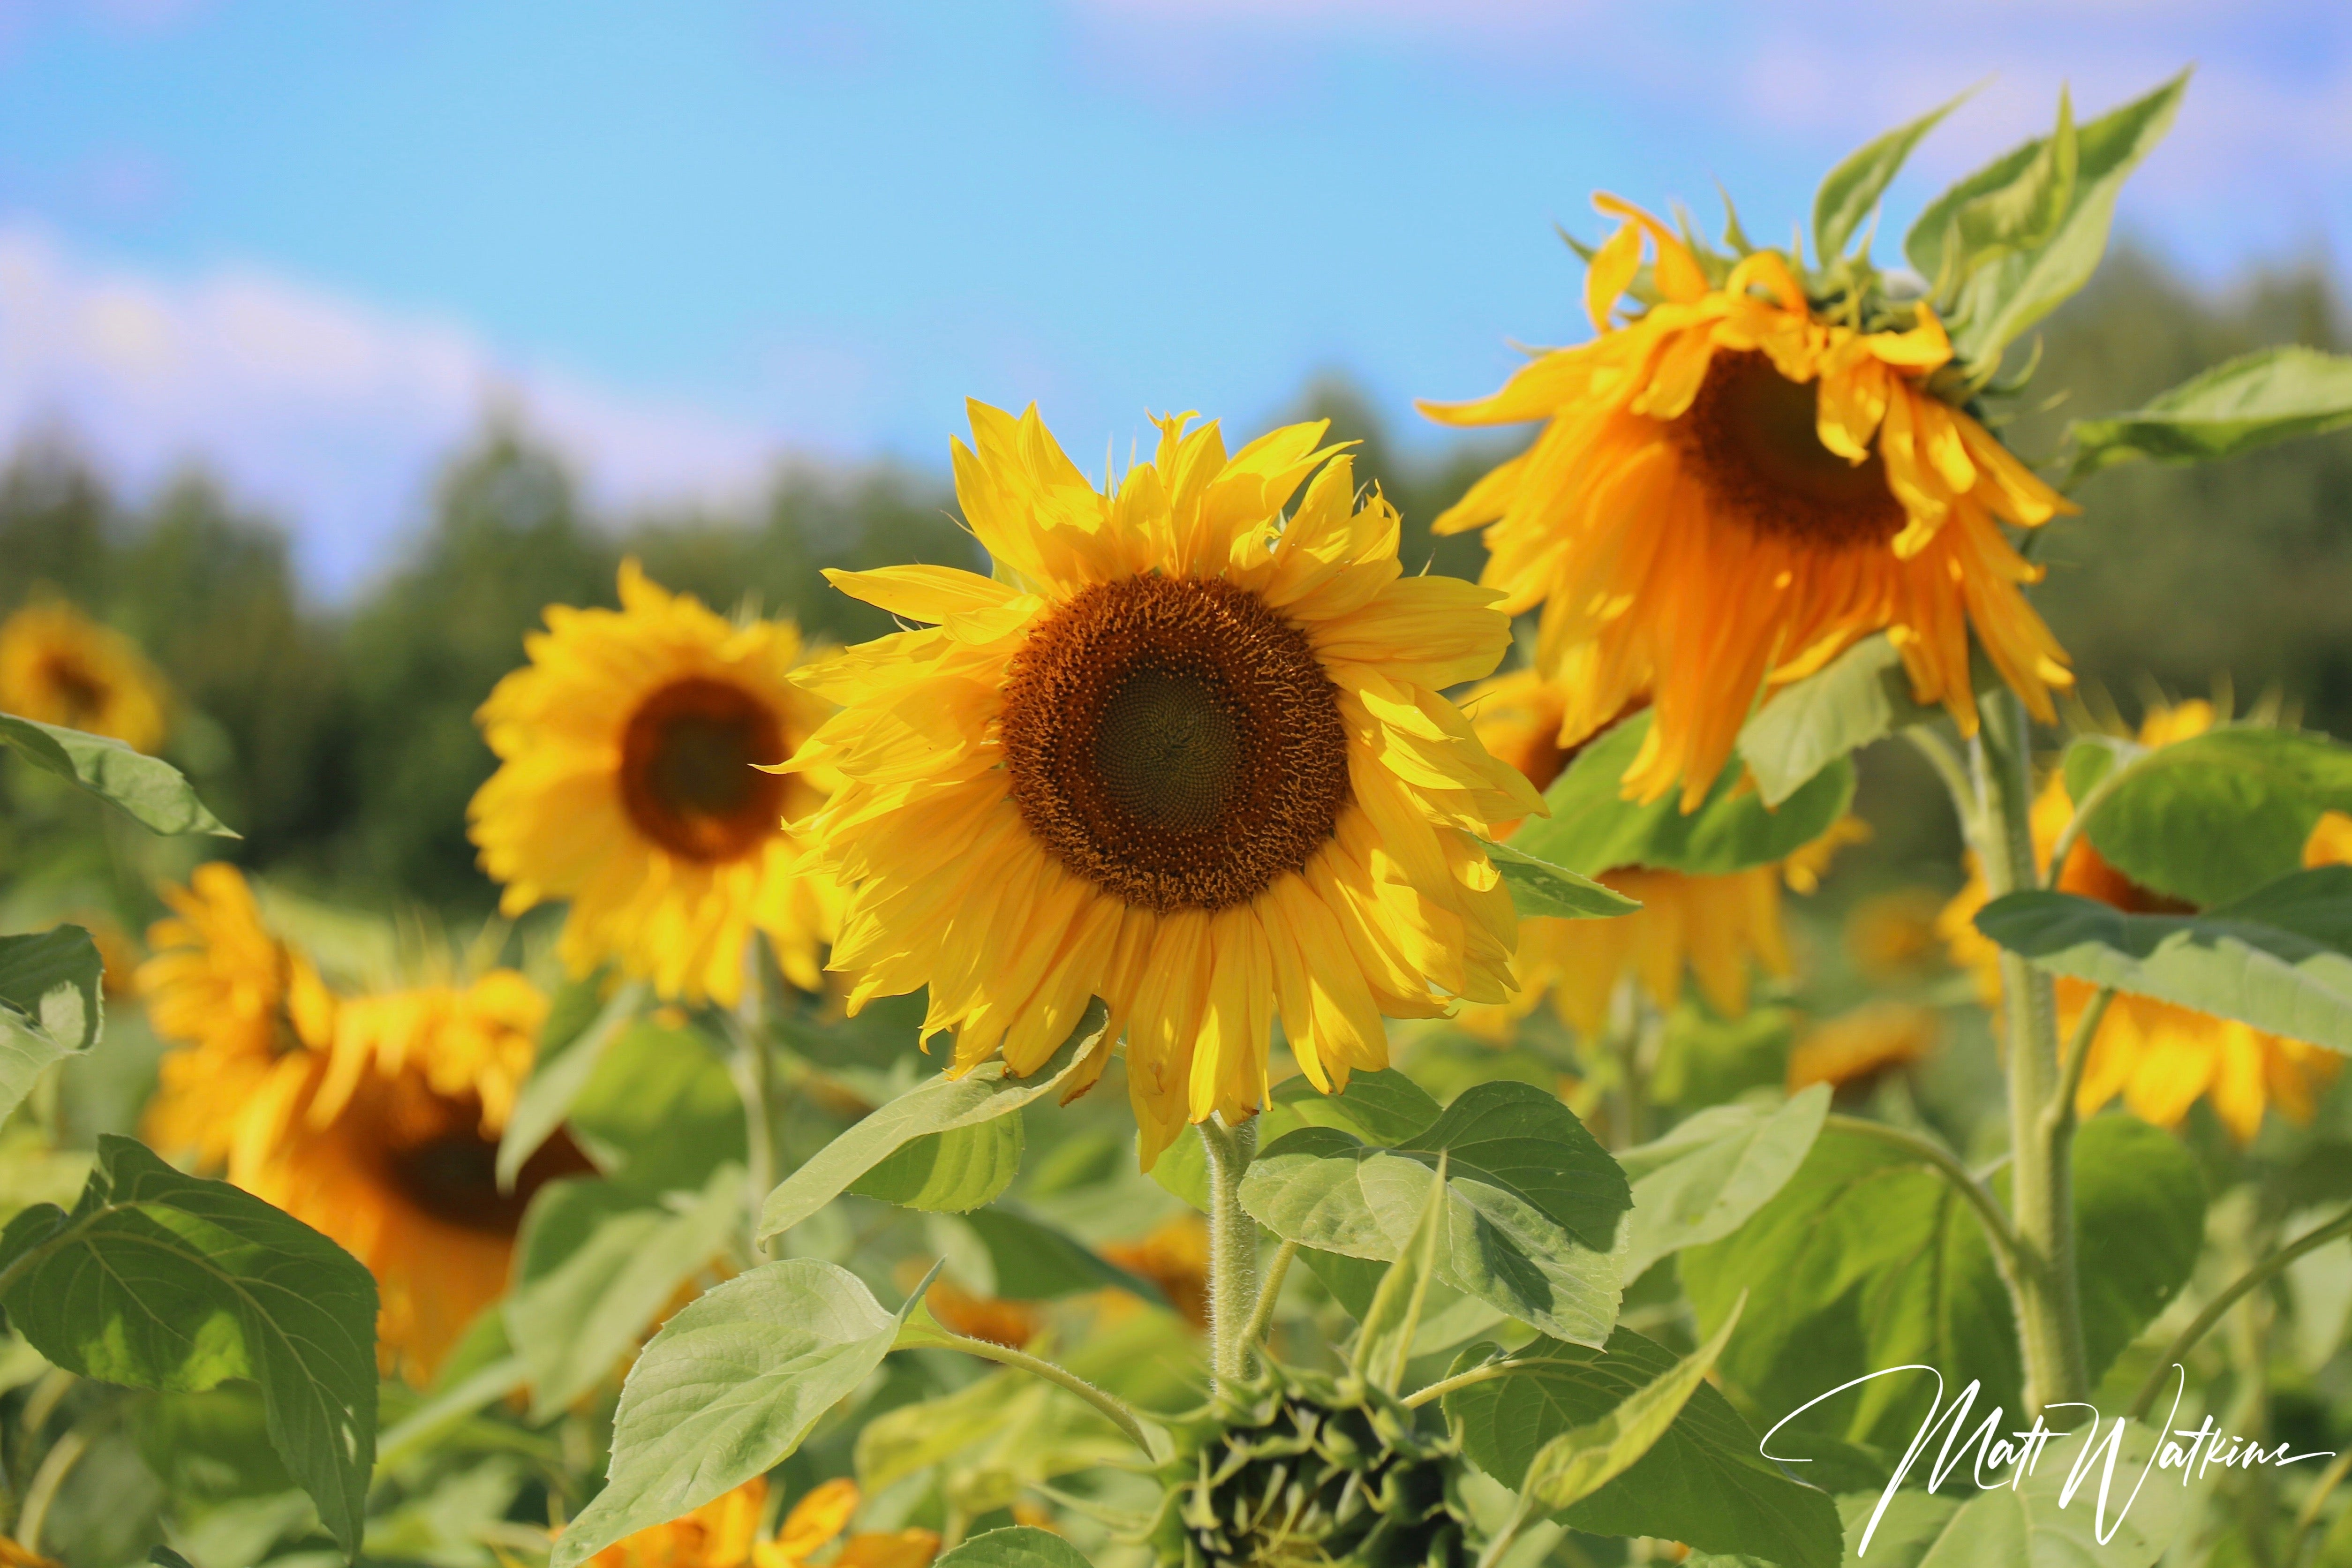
[(1150, 1022)]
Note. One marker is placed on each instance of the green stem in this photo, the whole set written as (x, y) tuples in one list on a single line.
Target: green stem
[(1942, 1161), (55, 1465), (2261, 1272), (1268, 1292), (2307, 1516), (1446, 1385), (1951, 770), (755, 1074), (2045, 1289), (1110, 1405), (2077, 1057), (1233, 1247)]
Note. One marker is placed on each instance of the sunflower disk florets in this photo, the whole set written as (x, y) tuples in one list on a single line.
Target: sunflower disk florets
[(1296, 1468)]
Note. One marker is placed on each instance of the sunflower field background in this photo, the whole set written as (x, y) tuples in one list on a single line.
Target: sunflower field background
[(1281, 1002)]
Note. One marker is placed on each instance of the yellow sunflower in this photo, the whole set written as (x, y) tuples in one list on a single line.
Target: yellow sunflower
[(1854, 1050), (1181, 753), (234, 998), (725, 1533), (2160, 1058), (1731, 489), (387, 1140), (630, 750), (59, 667), (1715, 928)]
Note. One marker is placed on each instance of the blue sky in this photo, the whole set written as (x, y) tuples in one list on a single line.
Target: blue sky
[(306, 241)]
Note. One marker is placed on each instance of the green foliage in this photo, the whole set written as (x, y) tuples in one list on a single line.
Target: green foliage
[(1539, 888), (1532, 1203), (1850, 191), (1700, 1182), (1386, 1328), (152, 791), (1592, 829), (2280, 958), (659, 1111), (2216, 816), (786, 1341), (168, 1281), (1863, 695), (2252, 402), (1702, 1481), (949, 1171), (1381, 1107), (1035, 1261), (50, 1006), (1014, 1546), (572, 1044)]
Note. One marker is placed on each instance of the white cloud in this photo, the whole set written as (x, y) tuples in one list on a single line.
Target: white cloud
[(331, 413)]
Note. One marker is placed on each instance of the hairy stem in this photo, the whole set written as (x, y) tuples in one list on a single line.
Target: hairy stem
[(1110, 1405), (1945, 1164), (2267, 1268), (1233, 1247)]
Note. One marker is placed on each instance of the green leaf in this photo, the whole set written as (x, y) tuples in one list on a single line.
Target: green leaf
[(2091, 758), (1867, 1260), (996, 1438), (594, 1265), (151, 790), (1853, 189), (2240, 406), (1014, 1546), (1700, 1183), (2280, 959), (949, 1172), (1541, 889), (1385, 1333), (50, 1005), (2027, 269), (1591, 830), (660, 1111), (2213, 817), (1532, 1212), (728, 1390), (1382, 1107), (570, 1046), (1862, 695), (1704, 1483), (1578, 1462), (167, 1281), (937, 1105), (1035, 1261)]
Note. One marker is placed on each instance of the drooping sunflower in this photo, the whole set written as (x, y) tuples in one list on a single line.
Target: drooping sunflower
[(1716, 929), (1733, 487), (629, 783), (725, 1533), (2160, 1058), (387, 1140), (1183, 754), (234, 998), (59, 667)]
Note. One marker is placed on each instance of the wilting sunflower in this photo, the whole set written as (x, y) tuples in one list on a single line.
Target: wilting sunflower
[(1181, 753), (1715, 928), (234, 998), (630, 783), (725, 1533), (387, 1140), (1731, 488), (2160, 1058), (59, 667)]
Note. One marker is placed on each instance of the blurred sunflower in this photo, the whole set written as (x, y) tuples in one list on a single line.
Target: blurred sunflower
[(387, 1140), (59, 667), (1174, 1257), (1715, 928), (1853, 1050), (630, 748), (1730, 489), (2161, 1058), (234, 998), (725, 1533), (1182, 754)]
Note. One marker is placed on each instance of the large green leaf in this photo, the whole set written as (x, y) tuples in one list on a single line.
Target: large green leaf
[(1391, 1319), (2216, 816), (1701, 1182), (1381, 1107), (660, 1111), (594, 1265), (941, 1104), (2280, 959), (1846, 197), (581, 1024), (1014, 1546), (949, 1172), (728, 1390), (1532, 1213), (1541, 890), (163, 1280), (1035, 1261), (1867, 1260), (1994, 244), (2240, 406), (1863, 695), (1703, 1483), (151, 789), (1592, 829), (50, 1005)]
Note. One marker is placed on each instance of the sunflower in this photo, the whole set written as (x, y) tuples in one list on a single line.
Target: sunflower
[(2161, 1058), (59, 667), (1716, 928), (1853, 1050), (235, 999), (629, 784), (1730, 489), (387, 1140), (1174, 1257), (725, 1533), (1180, 754)]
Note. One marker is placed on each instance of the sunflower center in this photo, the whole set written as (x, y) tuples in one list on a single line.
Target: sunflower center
[(450, 1171), (687, 774), (1174, 742), (83, 694), (1751, 437)]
